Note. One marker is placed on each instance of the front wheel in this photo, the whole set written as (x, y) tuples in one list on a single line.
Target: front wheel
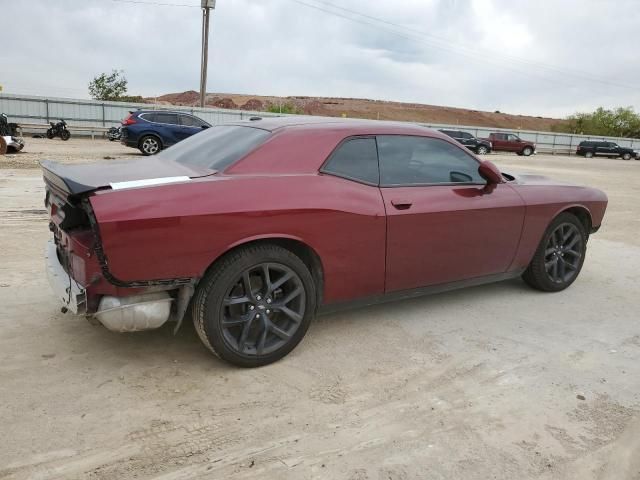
[(626, 156), (255, 305), (560, 255), (482, 150), (526, 151), (65, 135)]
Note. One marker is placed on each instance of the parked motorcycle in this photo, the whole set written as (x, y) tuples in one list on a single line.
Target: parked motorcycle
[(58, 130), (114, 133)]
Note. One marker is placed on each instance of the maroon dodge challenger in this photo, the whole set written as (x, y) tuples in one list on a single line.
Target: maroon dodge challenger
[(254, 227)]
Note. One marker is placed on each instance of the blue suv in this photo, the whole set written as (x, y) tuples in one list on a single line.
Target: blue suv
[(152, 130)]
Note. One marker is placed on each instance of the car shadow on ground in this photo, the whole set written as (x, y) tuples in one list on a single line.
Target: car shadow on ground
[(161, 347)]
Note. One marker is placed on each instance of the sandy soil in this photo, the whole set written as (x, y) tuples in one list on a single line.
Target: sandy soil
[(496, 382), (365, 108)]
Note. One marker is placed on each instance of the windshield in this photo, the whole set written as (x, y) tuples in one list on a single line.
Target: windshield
[(216, 147)]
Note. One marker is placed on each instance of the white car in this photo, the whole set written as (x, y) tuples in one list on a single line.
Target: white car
[(8, 143)]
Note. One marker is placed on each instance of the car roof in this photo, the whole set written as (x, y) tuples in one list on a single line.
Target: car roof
[(159, 111), (351, 126)]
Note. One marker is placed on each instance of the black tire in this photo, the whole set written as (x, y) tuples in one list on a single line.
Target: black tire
[(150, 145), (526, 151), (50, 134), (626, 156), (540, 272), (588, 155), (228, 334), (482, 150), (65, 135)]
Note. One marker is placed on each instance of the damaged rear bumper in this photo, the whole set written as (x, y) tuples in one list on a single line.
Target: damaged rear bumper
[(69, 293)]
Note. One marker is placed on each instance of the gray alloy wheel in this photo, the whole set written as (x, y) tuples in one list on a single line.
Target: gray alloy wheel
[(560, 255), (254, 305), (626, 156), (526, 151), (482, 150), (563, 253), (149, 145), (588, 155)]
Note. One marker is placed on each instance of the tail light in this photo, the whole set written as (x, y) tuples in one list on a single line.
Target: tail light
[(130, 120)]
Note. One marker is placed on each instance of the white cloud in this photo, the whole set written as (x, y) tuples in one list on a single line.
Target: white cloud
[(542, 58)]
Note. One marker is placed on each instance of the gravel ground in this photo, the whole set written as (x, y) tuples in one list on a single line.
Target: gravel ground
[(497, 381)]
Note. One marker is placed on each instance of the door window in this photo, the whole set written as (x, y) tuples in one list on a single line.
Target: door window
[(412, 160), (188, 121), (355, 159), (513, 138), (170, 118)]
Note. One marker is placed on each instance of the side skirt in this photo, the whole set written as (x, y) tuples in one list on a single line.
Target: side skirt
[(416, 292)]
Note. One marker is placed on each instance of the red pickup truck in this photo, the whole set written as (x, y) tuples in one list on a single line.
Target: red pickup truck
[(509, 142)]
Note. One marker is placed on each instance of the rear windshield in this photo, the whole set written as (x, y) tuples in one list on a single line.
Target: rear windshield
[(216, 147)]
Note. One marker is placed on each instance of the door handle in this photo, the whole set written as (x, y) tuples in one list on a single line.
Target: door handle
[(401, 204)]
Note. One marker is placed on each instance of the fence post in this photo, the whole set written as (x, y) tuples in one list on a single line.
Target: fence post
[(46, 104), (103, 118), (553, 148), (570, 145)]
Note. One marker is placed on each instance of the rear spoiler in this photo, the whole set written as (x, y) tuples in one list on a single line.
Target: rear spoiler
[(80, 179), (61, 177)]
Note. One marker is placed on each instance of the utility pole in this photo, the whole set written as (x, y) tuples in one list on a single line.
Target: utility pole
[(207, 5)]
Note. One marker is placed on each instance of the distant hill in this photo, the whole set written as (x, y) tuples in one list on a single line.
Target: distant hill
[(363, 108)]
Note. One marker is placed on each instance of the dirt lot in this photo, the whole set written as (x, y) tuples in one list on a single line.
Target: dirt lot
[(365, 108), (497, 382)]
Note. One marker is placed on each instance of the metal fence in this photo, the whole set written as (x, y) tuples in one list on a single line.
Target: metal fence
[(92, 113)]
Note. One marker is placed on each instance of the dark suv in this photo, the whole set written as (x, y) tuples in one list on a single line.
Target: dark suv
[(478, 145), (605, 149), (152, 130)]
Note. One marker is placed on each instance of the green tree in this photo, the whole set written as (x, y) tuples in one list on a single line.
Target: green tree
[(111, 86), (283, 108), (621, 122)]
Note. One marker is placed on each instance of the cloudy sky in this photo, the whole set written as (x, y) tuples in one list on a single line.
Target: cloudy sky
[(544, 57)]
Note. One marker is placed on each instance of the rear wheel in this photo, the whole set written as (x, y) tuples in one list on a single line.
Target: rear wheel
[(3, 146), (588, 154), (526, 151), (255, 305), (560, 255), (149, 145), (50, 133)]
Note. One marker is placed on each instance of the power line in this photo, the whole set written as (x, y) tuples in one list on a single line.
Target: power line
[(445, 44), (161, 4), (474, 57)]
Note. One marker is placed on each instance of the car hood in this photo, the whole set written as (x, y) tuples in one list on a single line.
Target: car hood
[(84, 178), (533, 179)]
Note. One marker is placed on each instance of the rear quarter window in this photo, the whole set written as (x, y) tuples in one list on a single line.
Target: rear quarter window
[(355, 159)]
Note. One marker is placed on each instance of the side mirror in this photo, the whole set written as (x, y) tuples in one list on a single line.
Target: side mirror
[(204, 127), (490, 173)]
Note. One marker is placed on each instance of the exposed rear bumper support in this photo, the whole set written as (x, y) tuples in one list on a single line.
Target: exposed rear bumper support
[(71, 295)]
